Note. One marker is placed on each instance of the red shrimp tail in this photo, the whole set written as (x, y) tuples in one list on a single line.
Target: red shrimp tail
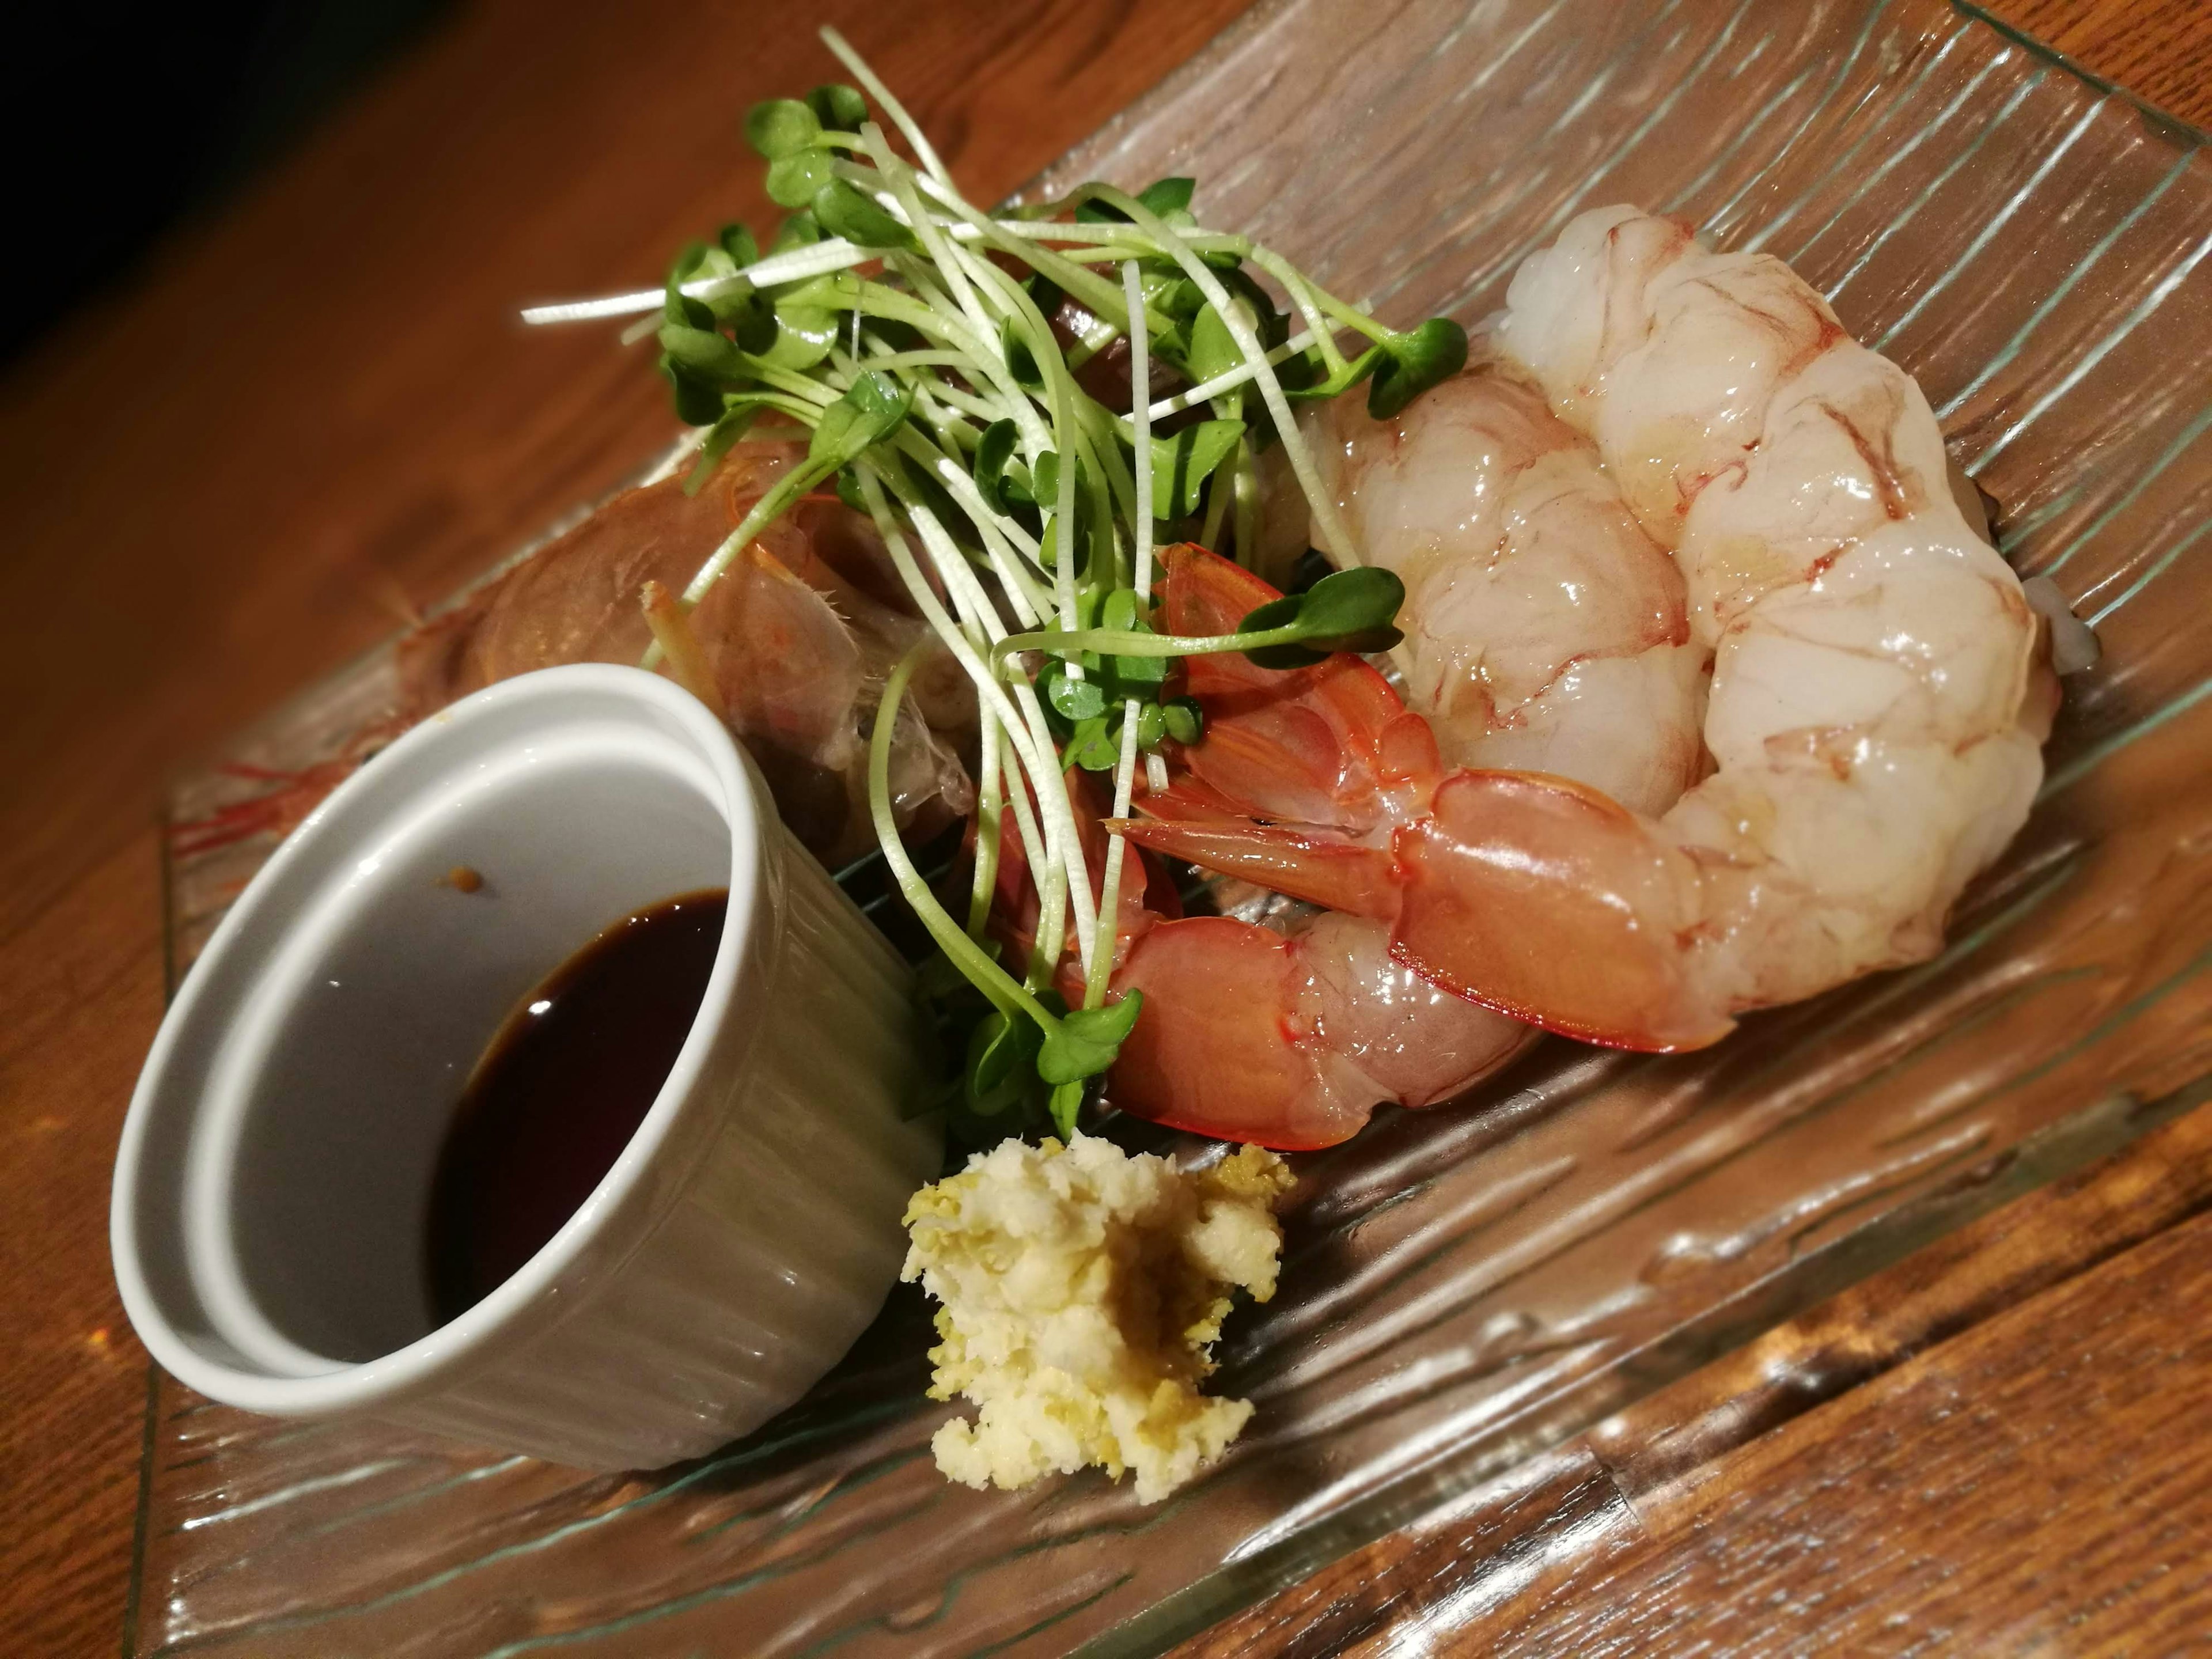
[(1547, 901), (1328, 744), (1219, 1049), (1314, 865)]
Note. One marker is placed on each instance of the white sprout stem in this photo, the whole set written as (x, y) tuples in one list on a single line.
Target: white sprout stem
[(672, 462), (1034, 847), (1271, 389), (875, 89), (1051, 883), (915, 360), (987, 975), (1013, 400), (1105, 947), (1061, 389), (982, 407), (925, 225), (763, 512), (1100, 967), (990, 814), (1302, 295), (974, 606), (1228, 380), (933, 612), (1030, 603), (1095, 430), (794, 265), (1140, 411), (1027, 731), (1086, 286), (835, 253)]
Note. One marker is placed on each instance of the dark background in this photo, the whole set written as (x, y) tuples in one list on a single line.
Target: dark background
[(122, 123)]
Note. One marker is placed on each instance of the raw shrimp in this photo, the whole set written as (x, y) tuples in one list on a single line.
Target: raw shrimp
[(1286, 1039), (1545, 631), (1878, 699)]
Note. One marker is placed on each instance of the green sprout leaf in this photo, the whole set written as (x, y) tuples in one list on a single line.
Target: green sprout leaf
[(867, 414), (799, 230), (678, 307), (1212, 351), (1349, 610), (1093, 747), (843, 210), (702, 352), (1184, 718), (1118, 609), (793, 180), (1354, 609), (1001, 1063), (698, 399), (1088, 1039), (746, 312), (804, 336), (1021, 361), (1163, 196), (1076, 700), (1137, 677), (1132, 677), (838, 108), (737, 242), (1320, 385), (993, 451), (1166, 196), (1413, 363), (782, 127), (1182, 464)]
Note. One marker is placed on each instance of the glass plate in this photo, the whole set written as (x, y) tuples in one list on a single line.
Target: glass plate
[(1469, 1285)]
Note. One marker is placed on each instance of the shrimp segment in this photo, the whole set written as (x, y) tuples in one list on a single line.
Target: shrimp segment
[(1879, 693), (1545, 630)]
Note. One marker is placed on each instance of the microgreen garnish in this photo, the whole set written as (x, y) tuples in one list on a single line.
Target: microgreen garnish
[(1413, 363), (930, 353)]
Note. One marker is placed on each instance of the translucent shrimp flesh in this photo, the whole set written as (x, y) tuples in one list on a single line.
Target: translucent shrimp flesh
[(1545, 630)]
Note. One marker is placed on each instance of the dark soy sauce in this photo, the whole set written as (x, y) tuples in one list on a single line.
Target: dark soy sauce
[(560, 1089)]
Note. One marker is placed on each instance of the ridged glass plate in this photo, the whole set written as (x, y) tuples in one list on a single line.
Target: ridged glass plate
[(1464, 1285)]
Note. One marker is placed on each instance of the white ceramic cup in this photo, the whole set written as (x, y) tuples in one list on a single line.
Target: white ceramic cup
[(270, 1223)]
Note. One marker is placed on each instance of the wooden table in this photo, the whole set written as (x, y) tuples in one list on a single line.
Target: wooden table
[(313, 415)]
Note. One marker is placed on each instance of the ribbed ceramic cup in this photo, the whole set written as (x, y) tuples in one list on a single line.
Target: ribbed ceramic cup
[(269, 1221)]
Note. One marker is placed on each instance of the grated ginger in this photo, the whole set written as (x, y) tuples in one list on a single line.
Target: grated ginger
[(1081, 1290)]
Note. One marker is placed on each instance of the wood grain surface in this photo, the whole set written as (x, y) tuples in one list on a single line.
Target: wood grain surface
[(316, 414), (1993, 1444)]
